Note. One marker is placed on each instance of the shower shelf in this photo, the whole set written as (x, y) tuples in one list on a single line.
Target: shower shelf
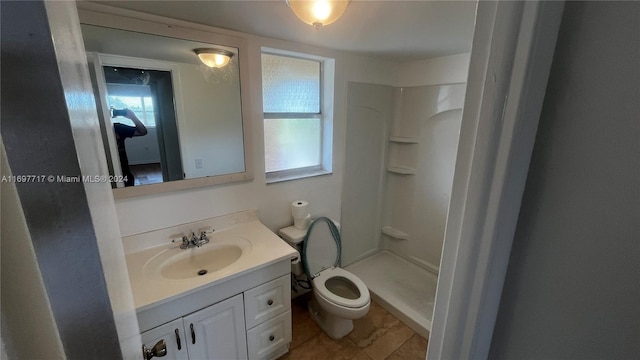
[(395, 233), (401, 170), (403, 139)]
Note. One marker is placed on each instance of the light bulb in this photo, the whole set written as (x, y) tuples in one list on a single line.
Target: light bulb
[(318, 13), (321, 10)]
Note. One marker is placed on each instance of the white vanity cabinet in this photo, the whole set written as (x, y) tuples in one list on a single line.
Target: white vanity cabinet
[(241, 310), (215, 332), (255, 324)]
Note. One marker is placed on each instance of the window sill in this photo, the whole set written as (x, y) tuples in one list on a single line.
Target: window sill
[(295, 175)]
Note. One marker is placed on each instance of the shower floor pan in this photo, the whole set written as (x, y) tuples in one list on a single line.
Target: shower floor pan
[(401, 287)]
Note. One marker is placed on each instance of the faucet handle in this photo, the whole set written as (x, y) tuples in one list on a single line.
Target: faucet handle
[(186, 243)]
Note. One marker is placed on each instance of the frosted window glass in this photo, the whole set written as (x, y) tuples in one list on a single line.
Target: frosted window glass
[(290, 85), (291, 143)]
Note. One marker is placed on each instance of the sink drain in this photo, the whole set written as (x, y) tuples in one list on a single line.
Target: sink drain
[(202, 272)]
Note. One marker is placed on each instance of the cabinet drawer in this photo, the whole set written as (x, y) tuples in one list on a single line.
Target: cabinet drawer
[(267, 300), (271, 338)]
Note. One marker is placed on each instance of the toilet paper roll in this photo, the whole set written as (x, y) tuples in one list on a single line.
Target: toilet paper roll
[(295, 258), (299, 209), (296, 265)]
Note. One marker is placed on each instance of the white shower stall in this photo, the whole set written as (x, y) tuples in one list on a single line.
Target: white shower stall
[(401, 146)]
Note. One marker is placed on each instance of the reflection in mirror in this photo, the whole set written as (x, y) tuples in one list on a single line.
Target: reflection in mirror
[(182, 119), (143, 116)]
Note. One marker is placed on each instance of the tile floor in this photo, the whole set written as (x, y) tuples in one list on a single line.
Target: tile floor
[(377, 336), (146, 174)]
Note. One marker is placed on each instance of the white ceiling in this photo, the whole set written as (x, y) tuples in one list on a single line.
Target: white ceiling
[(396, 30)]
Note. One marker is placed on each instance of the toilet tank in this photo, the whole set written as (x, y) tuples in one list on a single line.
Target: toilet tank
[(293, 236)]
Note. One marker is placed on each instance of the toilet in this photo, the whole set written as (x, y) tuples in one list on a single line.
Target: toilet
[(339, 297)]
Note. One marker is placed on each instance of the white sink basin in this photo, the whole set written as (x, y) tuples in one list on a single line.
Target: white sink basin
[(160, 271), (177, 264)]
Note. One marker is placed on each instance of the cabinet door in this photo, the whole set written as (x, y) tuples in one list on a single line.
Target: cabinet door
[(217, 332), (173, 334)]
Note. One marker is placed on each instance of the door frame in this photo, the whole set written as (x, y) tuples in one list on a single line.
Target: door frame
[(511, 59)]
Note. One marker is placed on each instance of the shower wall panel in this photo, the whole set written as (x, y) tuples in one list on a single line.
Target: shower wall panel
[(401, 146), (421, 160), (368, 115)]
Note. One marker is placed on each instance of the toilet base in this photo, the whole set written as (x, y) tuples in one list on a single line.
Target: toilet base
[(335, 327)]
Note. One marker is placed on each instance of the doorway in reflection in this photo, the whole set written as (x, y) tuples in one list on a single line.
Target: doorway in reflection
[(152, 156)]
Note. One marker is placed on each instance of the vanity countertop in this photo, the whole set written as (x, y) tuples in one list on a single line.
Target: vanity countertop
[(260, 248)]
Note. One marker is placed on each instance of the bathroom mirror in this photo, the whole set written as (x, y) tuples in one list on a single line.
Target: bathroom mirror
[(187, 125)]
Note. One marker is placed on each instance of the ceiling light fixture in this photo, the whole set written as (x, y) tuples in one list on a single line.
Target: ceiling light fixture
[(318, 12), (215, 58)]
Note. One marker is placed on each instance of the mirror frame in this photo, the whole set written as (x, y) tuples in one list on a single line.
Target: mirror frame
[(109, 17)]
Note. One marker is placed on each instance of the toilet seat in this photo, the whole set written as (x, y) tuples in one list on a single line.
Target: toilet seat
[(322, 247), (319, 284)]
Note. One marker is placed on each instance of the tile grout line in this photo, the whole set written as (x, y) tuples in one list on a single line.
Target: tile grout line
[(359, 348), (398, 348)]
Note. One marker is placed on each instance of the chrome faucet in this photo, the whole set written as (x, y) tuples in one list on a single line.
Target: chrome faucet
[(194, 241)]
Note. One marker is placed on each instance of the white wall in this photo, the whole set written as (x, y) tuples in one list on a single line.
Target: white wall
[(324, 193), (573, 282), (210, 129), (442, 70), (143, 149)]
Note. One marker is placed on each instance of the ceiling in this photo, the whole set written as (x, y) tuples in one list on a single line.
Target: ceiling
[(395, 30)]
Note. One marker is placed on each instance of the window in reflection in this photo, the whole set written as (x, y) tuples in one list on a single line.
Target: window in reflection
[(141, 105)]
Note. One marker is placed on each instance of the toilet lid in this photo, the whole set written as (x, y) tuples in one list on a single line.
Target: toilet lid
[(321, 248)]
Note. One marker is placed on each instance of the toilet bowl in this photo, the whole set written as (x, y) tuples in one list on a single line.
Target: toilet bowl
[(339, 296)]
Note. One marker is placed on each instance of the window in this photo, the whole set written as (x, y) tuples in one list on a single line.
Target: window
[(293, 116), (137, 98)]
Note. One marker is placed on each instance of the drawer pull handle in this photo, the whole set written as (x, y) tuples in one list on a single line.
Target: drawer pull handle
[(193, 334), (270, 302), (271, 338), (178, 339)]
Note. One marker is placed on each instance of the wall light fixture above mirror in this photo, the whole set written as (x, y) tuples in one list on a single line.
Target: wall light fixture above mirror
[(215, 58)]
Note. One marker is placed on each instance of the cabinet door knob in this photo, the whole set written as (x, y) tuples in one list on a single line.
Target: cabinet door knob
[(270, 302), (158, 350), (193, 334), (271, 338), (178, 339)]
